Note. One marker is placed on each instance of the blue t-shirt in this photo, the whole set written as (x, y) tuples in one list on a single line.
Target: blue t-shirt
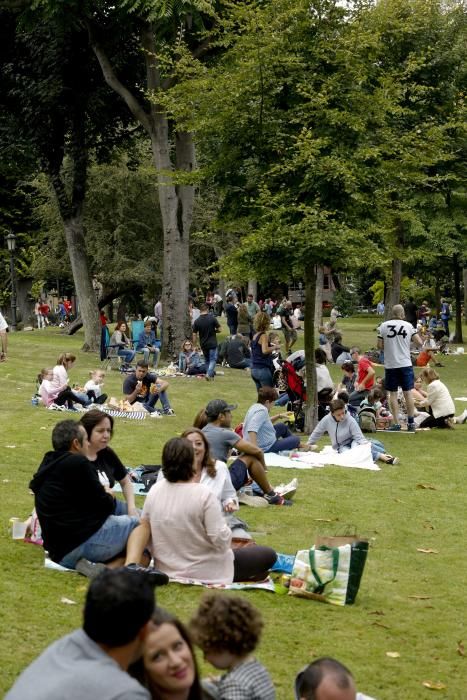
[(257, 421)]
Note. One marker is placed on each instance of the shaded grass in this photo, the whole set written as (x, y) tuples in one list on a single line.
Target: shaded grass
[(388, 507)]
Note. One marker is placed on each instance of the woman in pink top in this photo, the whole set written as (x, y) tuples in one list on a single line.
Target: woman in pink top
[(187, 534)]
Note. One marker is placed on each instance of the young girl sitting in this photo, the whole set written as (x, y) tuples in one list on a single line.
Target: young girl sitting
[(93, 386), (189, 360), (228, 628)]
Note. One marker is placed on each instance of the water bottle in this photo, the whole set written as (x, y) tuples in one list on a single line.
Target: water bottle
[(34, 401)]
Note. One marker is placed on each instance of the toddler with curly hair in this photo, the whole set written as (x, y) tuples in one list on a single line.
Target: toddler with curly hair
[(228, 628)]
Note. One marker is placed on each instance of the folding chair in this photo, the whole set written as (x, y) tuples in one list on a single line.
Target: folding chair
[(109, 353)]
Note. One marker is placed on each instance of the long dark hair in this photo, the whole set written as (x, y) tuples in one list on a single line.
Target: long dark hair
[(138, 671)]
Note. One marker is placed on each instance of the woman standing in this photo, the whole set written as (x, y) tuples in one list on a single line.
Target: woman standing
[(122, 342), (243, 320), (261, 352), (109, 468), (168, 666)]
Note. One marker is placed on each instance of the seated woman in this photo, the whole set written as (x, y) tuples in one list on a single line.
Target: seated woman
[(122, 342), (440, 405), (168, 667), (99, 429), (58, 386), (337, 349), (190, 361), (147, 344), (324, 383), (345, 433), (183, 525), (349, 378)]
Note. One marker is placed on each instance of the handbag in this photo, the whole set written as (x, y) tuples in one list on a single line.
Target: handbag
[(331, 570)]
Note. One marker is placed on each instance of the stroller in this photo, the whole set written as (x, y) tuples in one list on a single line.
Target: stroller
[(296, 392)]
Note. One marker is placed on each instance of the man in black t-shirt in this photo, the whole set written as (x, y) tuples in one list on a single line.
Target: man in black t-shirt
[(74, 509), (145, 388), (206, 326)]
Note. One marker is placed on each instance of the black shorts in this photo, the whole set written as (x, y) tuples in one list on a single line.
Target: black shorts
[(238, 473)]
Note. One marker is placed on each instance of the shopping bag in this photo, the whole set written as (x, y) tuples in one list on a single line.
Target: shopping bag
[(330, 571)]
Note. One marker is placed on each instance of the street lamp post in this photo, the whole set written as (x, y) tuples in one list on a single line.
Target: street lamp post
[(11, 243)]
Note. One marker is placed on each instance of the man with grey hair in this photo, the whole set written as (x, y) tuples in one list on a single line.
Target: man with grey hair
[(394, 338)]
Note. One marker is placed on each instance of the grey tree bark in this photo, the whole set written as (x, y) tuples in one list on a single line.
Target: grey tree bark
[(311, 411), (175, 200), (319, 295), (393, 288), (457, 292), (464, 275), (253, 288)]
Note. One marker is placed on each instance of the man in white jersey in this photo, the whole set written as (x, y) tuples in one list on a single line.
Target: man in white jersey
[(394, 338)]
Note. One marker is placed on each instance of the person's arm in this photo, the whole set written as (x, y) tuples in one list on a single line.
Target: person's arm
[(129, 495), (194, 337), (249, 449), (356, 433), (161, 385), (380, 343), (217, 530), (318, 432), (131, 395), (265, 347), (416, 339), (252, 438)]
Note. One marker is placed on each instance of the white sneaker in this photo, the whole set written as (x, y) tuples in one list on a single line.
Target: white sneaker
[(287, 490), (462, 418), (155, 414)]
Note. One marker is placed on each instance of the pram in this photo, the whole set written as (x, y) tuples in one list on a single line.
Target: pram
[(296, 392)]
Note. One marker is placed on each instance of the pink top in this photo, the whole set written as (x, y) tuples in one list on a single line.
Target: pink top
[(60, 379), (48, 392), (190, 538)]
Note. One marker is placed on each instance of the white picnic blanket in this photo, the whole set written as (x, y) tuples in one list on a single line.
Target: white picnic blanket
[(358, 457)]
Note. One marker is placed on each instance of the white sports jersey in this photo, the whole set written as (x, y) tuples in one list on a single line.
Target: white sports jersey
[(397, 336)]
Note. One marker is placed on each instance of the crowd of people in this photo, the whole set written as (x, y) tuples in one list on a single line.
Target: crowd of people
[(186, 529)]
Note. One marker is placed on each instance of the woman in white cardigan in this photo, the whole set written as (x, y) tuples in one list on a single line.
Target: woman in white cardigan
[(439, 401)]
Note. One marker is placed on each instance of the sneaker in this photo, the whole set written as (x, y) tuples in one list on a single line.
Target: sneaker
[(155, 414), (450, 423), (410, 427), (169, 412), (394, 428), (275, 499), (393, 460), (287, 490), (246, 499), (90, 569), (156, 577), (462, 418)]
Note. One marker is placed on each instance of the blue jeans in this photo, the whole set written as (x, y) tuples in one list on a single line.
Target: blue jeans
[(285, 439), (147, 355), (128, 355), (152, 399), (82, 397), (210, 356), (283, 400), (262, 376), (243, 364), (104, 544)]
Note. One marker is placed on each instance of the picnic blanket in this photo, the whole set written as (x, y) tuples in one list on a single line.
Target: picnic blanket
[(358, 457), (266, 585), (133, 415)]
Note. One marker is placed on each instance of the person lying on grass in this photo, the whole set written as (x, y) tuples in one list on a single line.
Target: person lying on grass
[(345, 433)]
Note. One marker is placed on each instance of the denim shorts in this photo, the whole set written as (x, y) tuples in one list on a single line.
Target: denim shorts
[(105, 544), (238, 474), (402, 377)]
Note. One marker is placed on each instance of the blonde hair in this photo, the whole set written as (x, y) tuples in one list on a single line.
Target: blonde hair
[(429, 375), (65, 357), (94, 372), (261, 322)]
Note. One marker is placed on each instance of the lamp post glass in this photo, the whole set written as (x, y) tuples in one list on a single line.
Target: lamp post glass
[(11, 243)]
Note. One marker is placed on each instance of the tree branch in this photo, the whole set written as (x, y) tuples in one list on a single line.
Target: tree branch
[(113, 82)]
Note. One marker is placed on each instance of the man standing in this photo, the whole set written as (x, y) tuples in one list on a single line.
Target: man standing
[(445, 315), (424, 313), (251, 460), (142, 387), (231, 314), (75, 511), (411, 309), (206, 326), (253, 309), (92, 662), (3, 338), (262, 430), (365, 377), (395, 337), (290, 334)]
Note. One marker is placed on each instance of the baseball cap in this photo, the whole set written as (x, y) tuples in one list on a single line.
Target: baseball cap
[(217, 406)]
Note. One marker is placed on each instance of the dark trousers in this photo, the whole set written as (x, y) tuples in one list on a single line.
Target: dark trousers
[(253, 563), (285, 439), (432, 422)]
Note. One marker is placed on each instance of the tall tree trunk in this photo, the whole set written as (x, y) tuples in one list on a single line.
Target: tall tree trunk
[(457, 292), (253, 288), (311, 411), (464, 274), (393, 288), (319, 296)]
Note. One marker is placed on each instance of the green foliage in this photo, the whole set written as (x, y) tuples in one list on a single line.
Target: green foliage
[(345, 301)]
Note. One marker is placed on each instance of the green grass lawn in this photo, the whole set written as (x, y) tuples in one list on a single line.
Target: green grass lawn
[(409, 602)]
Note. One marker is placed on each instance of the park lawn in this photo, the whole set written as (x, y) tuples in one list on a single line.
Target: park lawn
[(410, 602)]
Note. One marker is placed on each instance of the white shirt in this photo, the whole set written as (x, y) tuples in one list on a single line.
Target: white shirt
[(221, 485), (92, 386), (323, 378), (3, 323), (397, 337), (439, 399)]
